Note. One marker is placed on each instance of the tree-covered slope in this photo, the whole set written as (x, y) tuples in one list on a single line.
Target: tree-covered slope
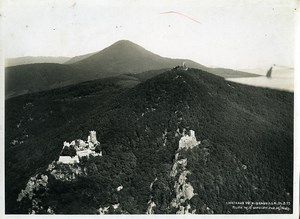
[(246, 150), (23, 79)]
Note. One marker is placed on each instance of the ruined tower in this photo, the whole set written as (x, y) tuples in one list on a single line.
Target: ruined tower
[(92, 137)]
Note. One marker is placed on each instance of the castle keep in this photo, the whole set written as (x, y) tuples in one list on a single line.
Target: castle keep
[(72, 152)]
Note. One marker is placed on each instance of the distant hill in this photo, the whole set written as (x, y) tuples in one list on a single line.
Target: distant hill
[(123, 57), (32, 78), (78, 58), (127, 57), (23, 79), (35, 59), (246, 149)]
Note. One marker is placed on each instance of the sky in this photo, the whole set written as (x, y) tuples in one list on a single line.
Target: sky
[(222, 33)]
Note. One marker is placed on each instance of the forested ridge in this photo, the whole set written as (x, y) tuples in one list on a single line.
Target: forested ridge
[(246, 151)]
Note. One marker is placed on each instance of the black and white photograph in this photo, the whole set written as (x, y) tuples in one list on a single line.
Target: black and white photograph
[(149, 108)]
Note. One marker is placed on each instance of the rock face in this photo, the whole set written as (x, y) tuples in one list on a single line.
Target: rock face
[(65, 172), (112, 209), (183, 190), (151, 204), (188, 141), (34, 184), (119, 188), (103, 210), (177, 165), (151, 185), (150, 209)]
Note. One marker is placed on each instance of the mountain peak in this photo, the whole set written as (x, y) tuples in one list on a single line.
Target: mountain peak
[(125, 56), (124, 42)]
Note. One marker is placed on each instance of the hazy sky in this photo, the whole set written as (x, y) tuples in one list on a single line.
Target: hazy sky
[(231, 33)]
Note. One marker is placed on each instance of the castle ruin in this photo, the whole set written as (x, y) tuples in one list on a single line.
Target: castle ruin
[(83, 149)]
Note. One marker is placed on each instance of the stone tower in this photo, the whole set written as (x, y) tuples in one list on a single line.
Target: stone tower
[(92, 137)]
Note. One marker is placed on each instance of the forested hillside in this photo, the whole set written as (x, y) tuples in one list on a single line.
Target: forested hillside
[(245, 151)]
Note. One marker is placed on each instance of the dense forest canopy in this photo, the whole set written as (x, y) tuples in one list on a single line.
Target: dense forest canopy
[(246, 150)]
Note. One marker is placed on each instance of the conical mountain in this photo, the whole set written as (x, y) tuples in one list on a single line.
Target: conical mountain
[(125, 56), (120, 58)]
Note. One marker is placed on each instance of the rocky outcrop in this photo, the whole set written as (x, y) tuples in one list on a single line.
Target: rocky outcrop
[(65, 172), (112, 209), (188, 141), (185, 210), (151, 205), (178, 164), (103, 210), (33, 185), (183, 190), (151, 185), (36, 184), (119, 188)]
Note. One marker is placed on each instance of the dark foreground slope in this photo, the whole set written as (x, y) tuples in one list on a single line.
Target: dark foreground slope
[(246, 152)]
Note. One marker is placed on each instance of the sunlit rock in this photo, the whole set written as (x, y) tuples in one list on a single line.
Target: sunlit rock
[(183, 189), (150, 209), (33, 184), (188, 141), (103, 210), (116, 206), (151, 184)]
